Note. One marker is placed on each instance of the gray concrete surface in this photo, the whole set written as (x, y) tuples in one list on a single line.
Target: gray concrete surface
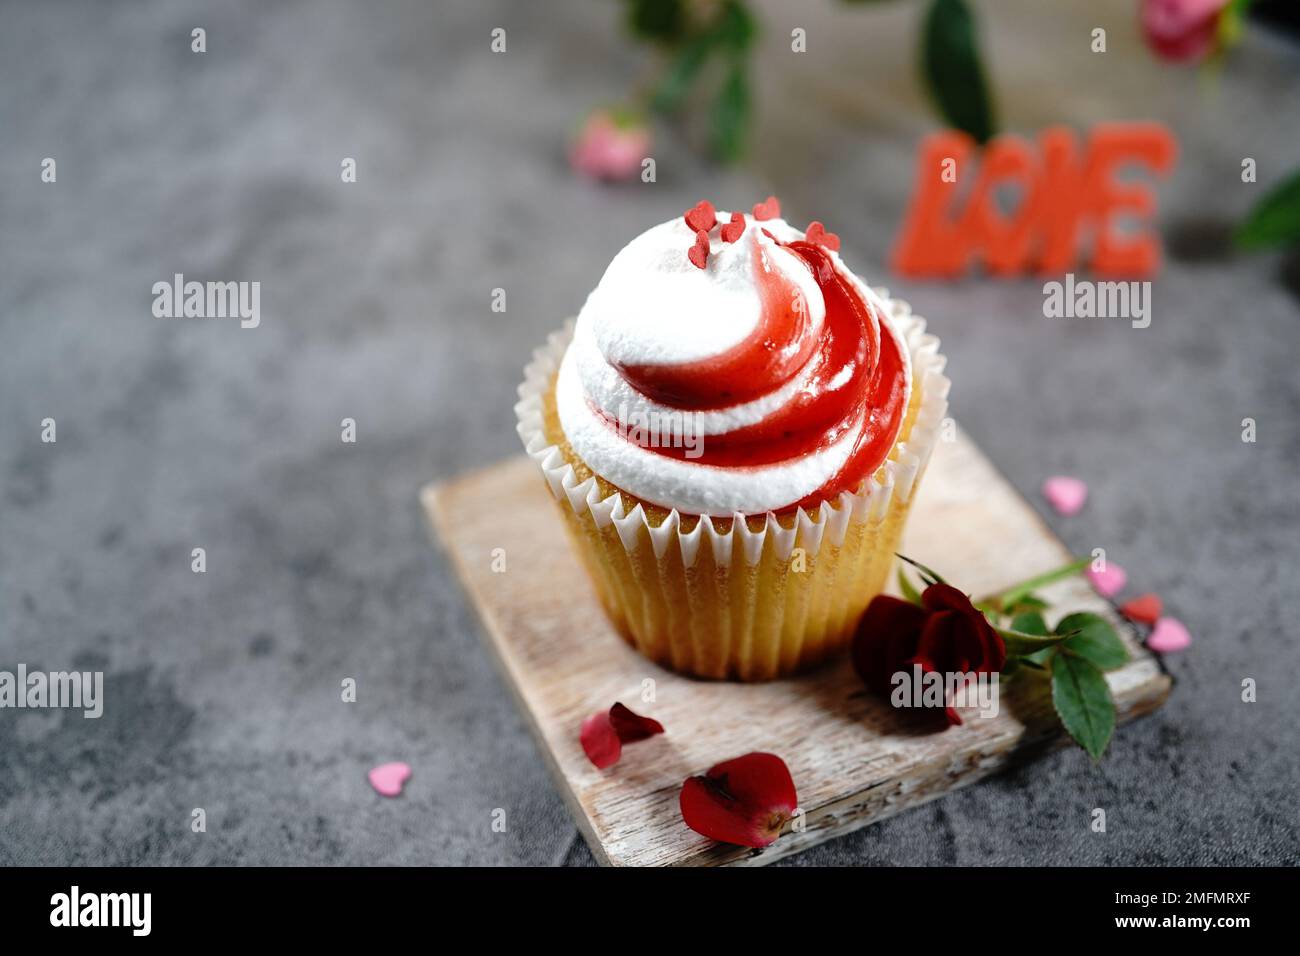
[(223, 688)]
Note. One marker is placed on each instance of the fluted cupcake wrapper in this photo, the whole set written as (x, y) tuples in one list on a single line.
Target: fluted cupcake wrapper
[(749, 597)]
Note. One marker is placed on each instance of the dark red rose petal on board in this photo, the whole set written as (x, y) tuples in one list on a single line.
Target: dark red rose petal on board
[(734, 229), (600, 741), (632, 727), (769, 208), (1145, 609), (701, 216), (699, 253), (745, 801), (816, 233)]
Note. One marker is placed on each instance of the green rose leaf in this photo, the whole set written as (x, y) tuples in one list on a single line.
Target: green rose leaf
[(1094, 639), (1030, 622), (1083, 702), (928, 576), (951, 62), (1275, 220)]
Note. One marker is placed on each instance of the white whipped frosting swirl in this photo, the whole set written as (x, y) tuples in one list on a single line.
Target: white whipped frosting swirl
[(654, 307)]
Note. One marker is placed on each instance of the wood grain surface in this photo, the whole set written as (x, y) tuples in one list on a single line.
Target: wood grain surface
[(854, 759)]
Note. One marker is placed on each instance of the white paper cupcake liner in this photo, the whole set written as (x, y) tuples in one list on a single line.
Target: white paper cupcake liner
[(828, 522)]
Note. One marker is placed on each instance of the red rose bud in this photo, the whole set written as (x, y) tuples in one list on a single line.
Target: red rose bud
[(745, 801), (769, 208), (1182, 30), (734, 229), (816, 233), (605, 732), (699, 253), (946, 635), (701, 216)]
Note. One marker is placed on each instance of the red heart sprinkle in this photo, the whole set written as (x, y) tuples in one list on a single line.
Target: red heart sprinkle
[(817, 233), (734, 229), (769, 208), (699, 253), (1145, 609), (701, 217)]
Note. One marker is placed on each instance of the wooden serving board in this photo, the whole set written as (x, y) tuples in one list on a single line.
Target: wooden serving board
[(854, 760)]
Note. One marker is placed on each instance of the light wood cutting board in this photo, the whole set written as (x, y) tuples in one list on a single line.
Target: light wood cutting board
[(853, 759)]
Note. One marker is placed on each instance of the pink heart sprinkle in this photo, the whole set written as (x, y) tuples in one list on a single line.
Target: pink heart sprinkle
[(388, 778), (1169, 635), (1109, 581), (1065, 494)]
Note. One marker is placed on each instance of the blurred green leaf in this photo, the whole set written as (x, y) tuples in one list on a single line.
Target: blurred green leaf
[(951, 62), (682, 72), (659, 21), (1275, 220), (731, 114)]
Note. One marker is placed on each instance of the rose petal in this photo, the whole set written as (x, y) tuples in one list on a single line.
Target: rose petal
[(935, 651), (886, 636), (816, 233), (745, 801), (600, 741), (699, 253), (1169, 635), (769, 208), (631, 727), (1181, 30), (1065, 494), (701, 217), (734, 229), (1145, 609), (1109, 581), (605, 732), (389, 778)]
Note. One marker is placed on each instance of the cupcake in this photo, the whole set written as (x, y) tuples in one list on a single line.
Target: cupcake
[(733, 430)]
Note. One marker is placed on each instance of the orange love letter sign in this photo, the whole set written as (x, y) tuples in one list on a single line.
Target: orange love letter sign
[(1066, 199)]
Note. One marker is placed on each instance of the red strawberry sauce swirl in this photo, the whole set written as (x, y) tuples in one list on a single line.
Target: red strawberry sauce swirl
[(855, 379)]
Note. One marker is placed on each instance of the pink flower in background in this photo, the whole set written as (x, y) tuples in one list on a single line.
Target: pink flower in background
[(610, 145), (1182, 30)]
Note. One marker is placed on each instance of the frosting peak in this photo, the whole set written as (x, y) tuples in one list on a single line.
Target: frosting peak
[(754, 377)]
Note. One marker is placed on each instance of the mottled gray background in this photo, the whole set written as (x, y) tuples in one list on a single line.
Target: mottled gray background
[(223, 688)]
